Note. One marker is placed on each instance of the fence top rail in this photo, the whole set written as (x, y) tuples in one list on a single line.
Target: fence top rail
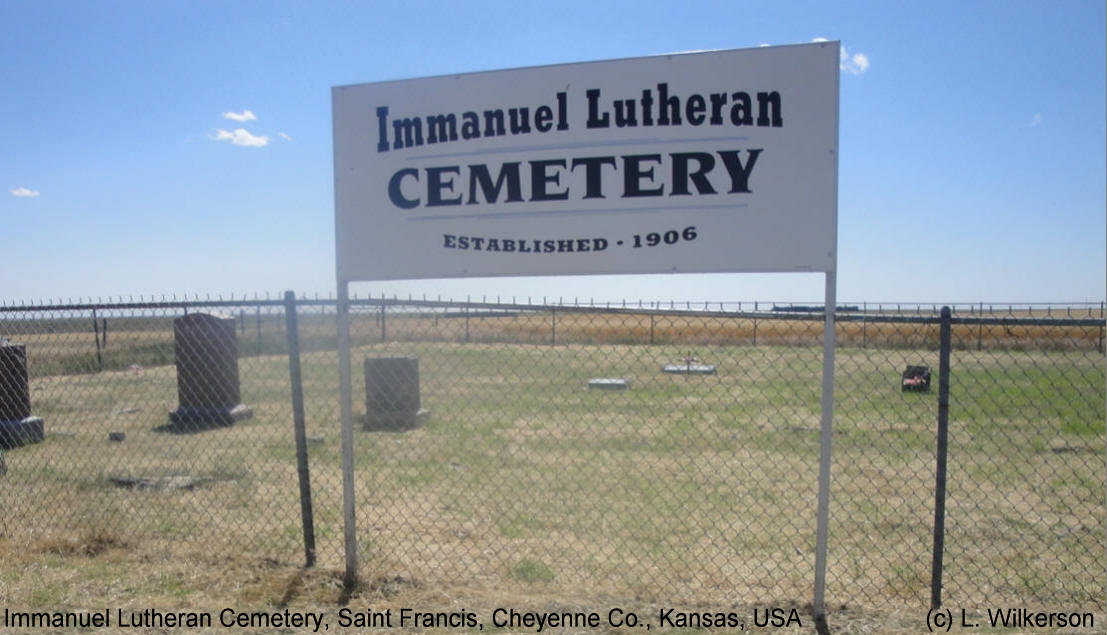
[(488, 309), (771, 311), (167, 304)]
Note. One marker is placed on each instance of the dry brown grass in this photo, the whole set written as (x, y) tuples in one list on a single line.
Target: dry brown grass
[(530, 491), (633, 328)]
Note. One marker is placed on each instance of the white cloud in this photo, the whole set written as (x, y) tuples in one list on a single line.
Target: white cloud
[(284, 136), (240, 117), (1036, 121), (241, 137), (23, 192), (855, 63)]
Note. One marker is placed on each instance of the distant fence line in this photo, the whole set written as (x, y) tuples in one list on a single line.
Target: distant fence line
[(1046, 309), (260, 324)]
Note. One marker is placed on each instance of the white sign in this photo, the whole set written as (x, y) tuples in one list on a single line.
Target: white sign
[(703, 162)]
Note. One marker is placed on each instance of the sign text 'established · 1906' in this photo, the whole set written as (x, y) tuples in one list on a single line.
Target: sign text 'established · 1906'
[(628, 176)]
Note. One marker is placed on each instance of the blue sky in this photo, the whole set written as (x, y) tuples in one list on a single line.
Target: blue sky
[(972, 139)]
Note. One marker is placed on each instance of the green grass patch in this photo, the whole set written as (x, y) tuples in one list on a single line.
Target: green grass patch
[(532, 571)]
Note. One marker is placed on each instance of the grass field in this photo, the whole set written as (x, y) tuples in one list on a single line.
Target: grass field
[(526, 488)]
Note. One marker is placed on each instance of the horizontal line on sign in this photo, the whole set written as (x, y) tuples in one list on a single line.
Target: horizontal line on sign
[(568, 146), (577, 212)]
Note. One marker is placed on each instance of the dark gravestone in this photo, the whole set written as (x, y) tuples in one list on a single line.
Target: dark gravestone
[(17, 426), (392, 393), (207, 372)]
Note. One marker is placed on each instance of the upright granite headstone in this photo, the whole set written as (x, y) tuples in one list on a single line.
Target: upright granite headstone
[(392, 393), (207, 372), (17, 426)]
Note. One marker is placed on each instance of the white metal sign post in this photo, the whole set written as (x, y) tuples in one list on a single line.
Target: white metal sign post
[(722, 161)]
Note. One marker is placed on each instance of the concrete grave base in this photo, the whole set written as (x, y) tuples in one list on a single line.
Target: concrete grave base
[(689, 369), (200, 418), (395, 421), (609, 383), (21, 432)]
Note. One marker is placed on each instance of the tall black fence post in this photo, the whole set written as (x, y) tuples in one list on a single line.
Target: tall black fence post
[(292, 330), (756, 308), (980, 329), (865, 325), (96, 338), (940, 470), (259, 329)]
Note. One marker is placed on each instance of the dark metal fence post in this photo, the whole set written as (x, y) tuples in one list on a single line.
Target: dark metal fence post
[(553, 327), (940, 471), (96, 337), (980, 329), (259, 329), (755, 310), (864, 325), (292, 331)]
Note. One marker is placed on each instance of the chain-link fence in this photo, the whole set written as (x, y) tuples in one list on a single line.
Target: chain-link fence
[(657, 452), (143, 440)]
